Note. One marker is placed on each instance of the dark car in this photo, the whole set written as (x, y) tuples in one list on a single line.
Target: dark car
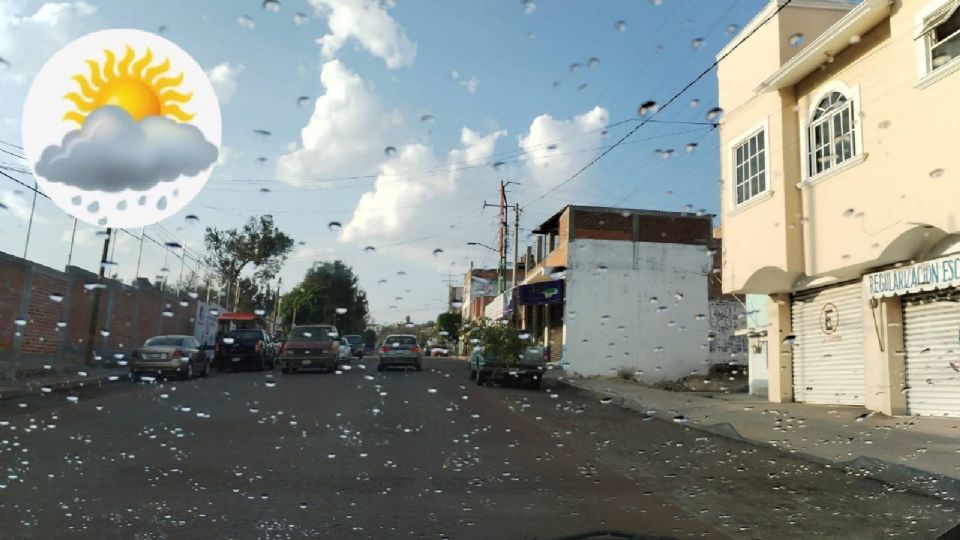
[(166, 355), (356, 345), (311, 346), (245, 349), (400, 351)]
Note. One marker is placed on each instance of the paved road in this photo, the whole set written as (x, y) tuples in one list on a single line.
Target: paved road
[(406, 455)]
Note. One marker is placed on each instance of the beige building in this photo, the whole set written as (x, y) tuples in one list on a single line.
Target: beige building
[(841, 198)]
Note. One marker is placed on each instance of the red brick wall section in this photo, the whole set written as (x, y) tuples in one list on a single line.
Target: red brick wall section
[(129, 325), (666, 228), (41, 335), (13, 278)]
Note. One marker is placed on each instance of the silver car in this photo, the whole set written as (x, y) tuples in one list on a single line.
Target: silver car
[(400, 351), (179, 355)]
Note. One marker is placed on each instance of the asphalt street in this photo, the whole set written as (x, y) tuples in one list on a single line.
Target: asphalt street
[(402, 454)]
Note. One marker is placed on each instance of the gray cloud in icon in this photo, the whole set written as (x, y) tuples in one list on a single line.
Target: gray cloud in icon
[(112, 152)]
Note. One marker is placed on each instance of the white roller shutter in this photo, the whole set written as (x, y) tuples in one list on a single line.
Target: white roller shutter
[(931, 335), (828, 349)]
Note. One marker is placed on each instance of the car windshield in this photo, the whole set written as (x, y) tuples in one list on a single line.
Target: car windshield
[(245, 334), (479, 269), (165, 341), (392, 341), (311, 333)]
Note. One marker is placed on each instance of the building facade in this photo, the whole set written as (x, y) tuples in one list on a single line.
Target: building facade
[(621, 290), (839, 206)]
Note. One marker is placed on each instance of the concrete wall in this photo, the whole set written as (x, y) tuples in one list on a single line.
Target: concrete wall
[(611, 323), (130, 315)]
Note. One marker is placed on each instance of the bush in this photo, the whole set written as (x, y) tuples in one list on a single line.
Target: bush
[(499, 341)]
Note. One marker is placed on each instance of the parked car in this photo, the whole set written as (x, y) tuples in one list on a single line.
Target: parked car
[(400, 351), (312, 346), (439, 349), (246, 348), (165, 355), (356, 345), (530, 365)]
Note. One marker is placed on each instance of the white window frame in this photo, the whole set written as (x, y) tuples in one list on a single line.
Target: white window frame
[(926, 74), (764, 128), (852, 93)]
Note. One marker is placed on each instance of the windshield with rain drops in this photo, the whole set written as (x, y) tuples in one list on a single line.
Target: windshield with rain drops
[(498, 269)]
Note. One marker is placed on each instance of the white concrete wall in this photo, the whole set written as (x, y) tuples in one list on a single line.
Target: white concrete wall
[(599, 301)]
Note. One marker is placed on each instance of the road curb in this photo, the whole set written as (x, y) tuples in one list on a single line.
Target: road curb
[(916, 480), (33, 388)]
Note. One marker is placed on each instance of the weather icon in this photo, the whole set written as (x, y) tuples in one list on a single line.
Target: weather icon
[(122, 128)]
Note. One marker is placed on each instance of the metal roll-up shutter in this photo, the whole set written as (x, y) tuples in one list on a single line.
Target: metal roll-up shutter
[(828, 362), (931, 339)]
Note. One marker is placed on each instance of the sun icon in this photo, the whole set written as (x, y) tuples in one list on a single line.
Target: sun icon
[(122, 128), (132, 84)]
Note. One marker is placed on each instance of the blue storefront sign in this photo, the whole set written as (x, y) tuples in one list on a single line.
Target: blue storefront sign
[(547, 292)]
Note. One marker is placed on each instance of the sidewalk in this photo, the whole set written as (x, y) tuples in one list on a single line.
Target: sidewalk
[(61, 380), (921, 453)]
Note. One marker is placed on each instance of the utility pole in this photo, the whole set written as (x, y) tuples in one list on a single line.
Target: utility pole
[(139, 254), (30, 223), (183, 253), (276, 306), (516, 245), (504, 238), (95, 310), (73, 236)]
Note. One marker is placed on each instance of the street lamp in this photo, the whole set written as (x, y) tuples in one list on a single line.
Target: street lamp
[(483, 245)]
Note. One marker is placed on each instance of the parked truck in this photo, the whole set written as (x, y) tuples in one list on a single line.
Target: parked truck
[(245, 349), (502, 353)]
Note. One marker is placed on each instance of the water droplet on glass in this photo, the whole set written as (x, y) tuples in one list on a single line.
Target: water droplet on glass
[(697, 43), (606, 400), (936, 173), (796, 40), (259, 312), (647, 107), (334, 226), (731, 28), (620, 26), (192, 219), (341, 310), (370, 249), (142, 201), (390, 150), (122, 205), (714, 114), (228, 340), (76, 200)]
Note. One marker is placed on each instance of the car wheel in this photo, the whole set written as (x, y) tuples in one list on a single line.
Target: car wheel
[(481, 377), (134, 376), (262, 363), (206, 369), (285, 370), (380, 367), (473, 374), (188, 373), (418, 366), (536, 382)]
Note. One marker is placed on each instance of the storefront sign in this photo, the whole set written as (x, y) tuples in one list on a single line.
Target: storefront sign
[(939, 273), (547, 292)]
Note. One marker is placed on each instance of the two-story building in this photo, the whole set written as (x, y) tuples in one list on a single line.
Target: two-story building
[(841, 198), (621, 290)]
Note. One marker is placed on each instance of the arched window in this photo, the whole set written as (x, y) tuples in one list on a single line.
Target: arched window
[(831, 135)]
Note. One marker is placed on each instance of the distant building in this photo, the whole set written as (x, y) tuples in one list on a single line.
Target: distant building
[(621, 290)]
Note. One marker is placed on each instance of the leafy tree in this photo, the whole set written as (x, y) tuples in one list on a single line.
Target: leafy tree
[(326, 288), (259, 243), (370, 337), (449, 323)]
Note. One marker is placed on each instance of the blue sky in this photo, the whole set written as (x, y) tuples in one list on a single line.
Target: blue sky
[(374, 81)]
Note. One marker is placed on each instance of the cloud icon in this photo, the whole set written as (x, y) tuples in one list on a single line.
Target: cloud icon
[(112, 152)]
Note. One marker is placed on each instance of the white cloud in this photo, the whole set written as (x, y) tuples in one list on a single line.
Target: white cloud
[(18, 205), (472, 84), (223, 77), (370, 25), (553, 146), (397, 204), (26, 41), (348, 131)]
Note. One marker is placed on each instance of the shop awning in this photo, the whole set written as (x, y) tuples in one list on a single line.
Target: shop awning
[(545, 292)]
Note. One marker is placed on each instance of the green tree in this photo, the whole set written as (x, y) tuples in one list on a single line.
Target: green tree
[(449, 323), (498, 340), (326, 290), (370, 337), (259, 243)]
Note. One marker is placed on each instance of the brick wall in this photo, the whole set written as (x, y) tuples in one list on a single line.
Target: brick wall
[(131, 314)]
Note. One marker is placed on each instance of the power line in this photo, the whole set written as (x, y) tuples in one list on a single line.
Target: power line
[(672, 99)]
